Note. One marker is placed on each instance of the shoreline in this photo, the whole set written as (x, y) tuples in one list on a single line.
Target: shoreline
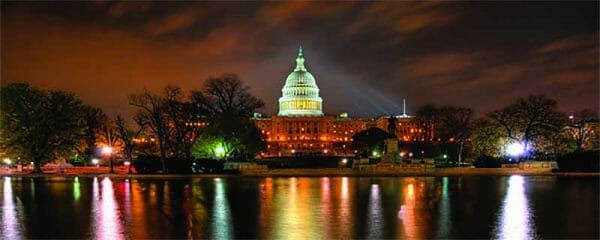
[(322, 172)]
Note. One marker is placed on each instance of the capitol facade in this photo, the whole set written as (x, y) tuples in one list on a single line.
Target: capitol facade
[(301, 129)]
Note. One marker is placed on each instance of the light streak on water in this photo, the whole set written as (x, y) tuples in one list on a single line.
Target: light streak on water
[(76, 189), (106, 224), (444, 222), (375, 214), (221, 219), (515, 221), (12, 227)]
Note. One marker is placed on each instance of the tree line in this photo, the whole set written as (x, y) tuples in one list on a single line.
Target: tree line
[(533, 122), (212, 122)]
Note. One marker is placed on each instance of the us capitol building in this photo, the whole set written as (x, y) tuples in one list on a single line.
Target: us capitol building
[(301, 129)]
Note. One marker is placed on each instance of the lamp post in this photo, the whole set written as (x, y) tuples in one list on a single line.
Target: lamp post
[(107, 150)]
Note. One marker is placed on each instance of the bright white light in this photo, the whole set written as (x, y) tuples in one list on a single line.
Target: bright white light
[(107, 150), (95, 161), (515, 149), (127, 163), (6, 161), (344, 161)]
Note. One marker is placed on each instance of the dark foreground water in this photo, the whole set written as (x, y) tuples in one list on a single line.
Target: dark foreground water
[(513, 207)]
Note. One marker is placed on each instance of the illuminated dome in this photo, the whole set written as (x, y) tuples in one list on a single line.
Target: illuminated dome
[(300, 94)]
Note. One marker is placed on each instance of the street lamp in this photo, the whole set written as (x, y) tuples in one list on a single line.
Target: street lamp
[(107, 150)]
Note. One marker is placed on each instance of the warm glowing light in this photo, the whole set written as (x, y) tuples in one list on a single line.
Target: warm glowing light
[(515, 149), (7, 161), (107, 150), (95, 161), (127, 163)]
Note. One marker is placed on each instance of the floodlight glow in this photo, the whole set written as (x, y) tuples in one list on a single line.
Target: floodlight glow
[(107, 150), (219, 151), (344, 161), (515, 149)]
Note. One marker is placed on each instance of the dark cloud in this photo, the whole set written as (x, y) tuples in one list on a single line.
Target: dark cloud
[(366, 56)]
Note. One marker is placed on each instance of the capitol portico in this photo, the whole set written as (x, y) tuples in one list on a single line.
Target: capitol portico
[(300, 128)]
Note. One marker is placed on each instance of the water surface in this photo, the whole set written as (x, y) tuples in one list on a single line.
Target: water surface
[(514, 207)]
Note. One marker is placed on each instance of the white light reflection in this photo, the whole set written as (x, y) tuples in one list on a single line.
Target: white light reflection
[(105, 212), (375, 221), (11, 224), (515, 221), (221, 225)]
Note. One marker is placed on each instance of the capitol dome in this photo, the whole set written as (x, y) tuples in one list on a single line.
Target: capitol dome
[(300, 94)]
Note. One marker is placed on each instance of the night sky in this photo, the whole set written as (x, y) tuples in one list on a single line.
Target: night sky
[(365, 56)]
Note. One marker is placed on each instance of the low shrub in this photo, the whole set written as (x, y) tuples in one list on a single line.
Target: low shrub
[(488, 162), (581, 161)]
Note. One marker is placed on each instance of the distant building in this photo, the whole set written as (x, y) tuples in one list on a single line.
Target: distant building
[(300, 128)]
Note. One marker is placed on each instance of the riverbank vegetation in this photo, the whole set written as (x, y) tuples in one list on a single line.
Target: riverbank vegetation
[(175, 131)]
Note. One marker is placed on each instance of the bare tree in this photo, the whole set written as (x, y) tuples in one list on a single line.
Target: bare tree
[(529, 118), (455, 124), (94, 119), (581, 127), (183, 119), (426, 116), (151, 116), (225, 95), (127, 137), (109, 135)]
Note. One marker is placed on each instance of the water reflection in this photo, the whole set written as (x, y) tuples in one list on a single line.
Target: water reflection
[(76, 189), (11, 223), (444, 212), (105, 212), (515, 220), (299, 208), (221, 222), (375, 219)]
